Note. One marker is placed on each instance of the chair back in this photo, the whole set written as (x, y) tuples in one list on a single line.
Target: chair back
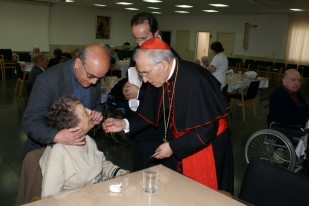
[(267, 185), (252, 90)]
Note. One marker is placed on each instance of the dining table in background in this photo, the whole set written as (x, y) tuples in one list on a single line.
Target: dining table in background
[(237, 81), (124, 66), (174, 189)]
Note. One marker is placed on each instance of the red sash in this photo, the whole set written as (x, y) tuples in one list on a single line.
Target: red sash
[(201, 166)]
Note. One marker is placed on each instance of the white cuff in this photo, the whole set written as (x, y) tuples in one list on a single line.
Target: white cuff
[(127, 128)]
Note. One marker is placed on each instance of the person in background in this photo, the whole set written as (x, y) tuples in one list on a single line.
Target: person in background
[(68, 167), (113, 53), (205, 61), (196, 141), (197, 61), (219, 64), (287, 104), (35, 50), (74, 53), (78, 77), (58, 56), (40, 62)]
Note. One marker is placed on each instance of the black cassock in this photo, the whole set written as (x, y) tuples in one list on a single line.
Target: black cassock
[(198, 136)]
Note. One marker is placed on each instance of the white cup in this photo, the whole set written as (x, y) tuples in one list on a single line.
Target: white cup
[(150, 181)]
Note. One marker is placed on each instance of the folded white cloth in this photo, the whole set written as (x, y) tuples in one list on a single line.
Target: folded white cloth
[(250, 75)]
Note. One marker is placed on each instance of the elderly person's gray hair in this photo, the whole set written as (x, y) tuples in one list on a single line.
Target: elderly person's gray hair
[(157, 55), (204, 59)]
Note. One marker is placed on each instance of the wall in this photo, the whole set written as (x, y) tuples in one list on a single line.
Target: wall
[(267, 40), (76, 26), (24, 25)]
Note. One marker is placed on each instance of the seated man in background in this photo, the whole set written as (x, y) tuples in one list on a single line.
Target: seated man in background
[(56, 60), (287, 104), (35, 51), (40, 62), (205, 61)]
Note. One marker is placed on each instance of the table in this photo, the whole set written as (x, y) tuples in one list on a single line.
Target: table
[(174, 189), (237, 81)]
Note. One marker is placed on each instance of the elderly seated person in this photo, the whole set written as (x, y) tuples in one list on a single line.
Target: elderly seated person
[(67, 167), (287, 104), (205, 61)]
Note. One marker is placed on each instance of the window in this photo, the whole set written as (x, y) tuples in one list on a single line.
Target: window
[(298, 40)]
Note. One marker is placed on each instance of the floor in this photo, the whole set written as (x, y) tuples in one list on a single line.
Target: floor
[(12, 139)]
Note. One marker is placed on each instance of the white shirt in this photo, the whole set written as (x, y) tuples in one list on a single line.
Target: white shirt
[(221, 63)]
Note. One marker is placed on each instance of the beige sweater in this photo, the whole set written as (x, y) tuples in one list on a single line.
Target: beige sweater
[(67, 167)]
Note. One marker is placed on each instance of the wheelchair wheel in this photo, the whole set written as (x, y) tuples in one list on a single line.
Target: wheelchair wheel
[(271, 146)]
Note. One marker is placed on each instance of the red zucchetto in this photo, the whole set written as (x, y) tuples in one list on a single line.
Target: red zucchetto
[(155, 43)]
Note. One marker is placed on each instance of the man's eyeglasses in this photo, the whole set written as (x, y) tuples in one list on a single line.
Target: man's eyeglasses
[(89, 76)]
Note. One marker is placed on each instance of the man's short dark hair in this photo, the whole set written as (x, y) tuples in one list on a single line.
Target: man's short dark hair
[(145, 16), (217, 47)]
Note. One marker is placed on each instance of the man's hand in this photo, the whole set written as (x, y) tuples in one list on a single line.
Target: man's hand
[(164, 150), (114, 125), (72, 136), (96, 117), (130, 91)]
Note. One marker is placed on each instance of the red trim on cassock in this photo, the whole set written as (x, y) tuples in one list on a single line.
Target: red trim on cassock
[(201, 166)]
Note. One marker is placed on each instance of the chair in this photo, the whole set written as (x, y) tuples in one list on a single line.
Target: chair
[(249, 96), (8, 62), (277, 70), (30, 184), (291, 66), (248, 65), (267, 185), (304, 71), (21, 78)]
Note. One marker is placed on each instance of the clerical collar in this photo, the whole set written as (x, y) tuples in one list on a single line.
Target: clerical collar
[(172, 70)]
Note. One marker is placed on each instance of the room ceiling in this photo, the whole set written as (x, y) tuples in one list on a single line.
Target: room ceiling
[(167, 7)]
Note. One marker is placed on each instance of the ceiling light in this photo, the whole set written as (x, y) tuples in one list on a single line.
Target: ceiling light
[(132, 9), (152, 1), (182, 12), (296, 9), (210, 11), (99, 5), (124, 3), (69, 1), (156, 12), (184, 6), (219, 5), (153, 7)]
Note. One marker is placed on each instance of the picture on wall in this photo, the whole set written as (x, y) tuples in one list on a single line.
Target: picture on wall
[(103, 25)]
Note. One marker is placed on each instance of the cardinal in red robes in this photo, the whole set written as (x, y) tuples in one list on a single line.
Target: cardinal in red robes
[(188, 99)]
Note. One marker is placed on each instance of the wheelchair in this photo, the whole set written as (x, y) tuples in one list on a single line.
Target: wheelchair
[(277, 145)]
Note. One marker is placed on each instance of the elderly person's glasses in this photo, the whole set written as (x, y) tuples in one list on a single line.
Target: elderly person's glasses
[(146, 74)]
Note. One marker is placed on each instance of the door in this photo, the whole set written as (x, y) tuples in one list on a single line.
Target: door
[(202, 44), (182, 45), (228, 42)]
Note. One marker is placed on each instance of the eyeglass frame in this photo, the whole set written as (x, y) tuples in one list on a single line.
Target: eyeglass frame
[(89, 75), (145, 74)]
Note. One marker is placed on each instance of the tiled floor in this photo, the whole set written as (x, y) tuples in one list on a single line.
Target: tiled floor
[(12, 139)]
